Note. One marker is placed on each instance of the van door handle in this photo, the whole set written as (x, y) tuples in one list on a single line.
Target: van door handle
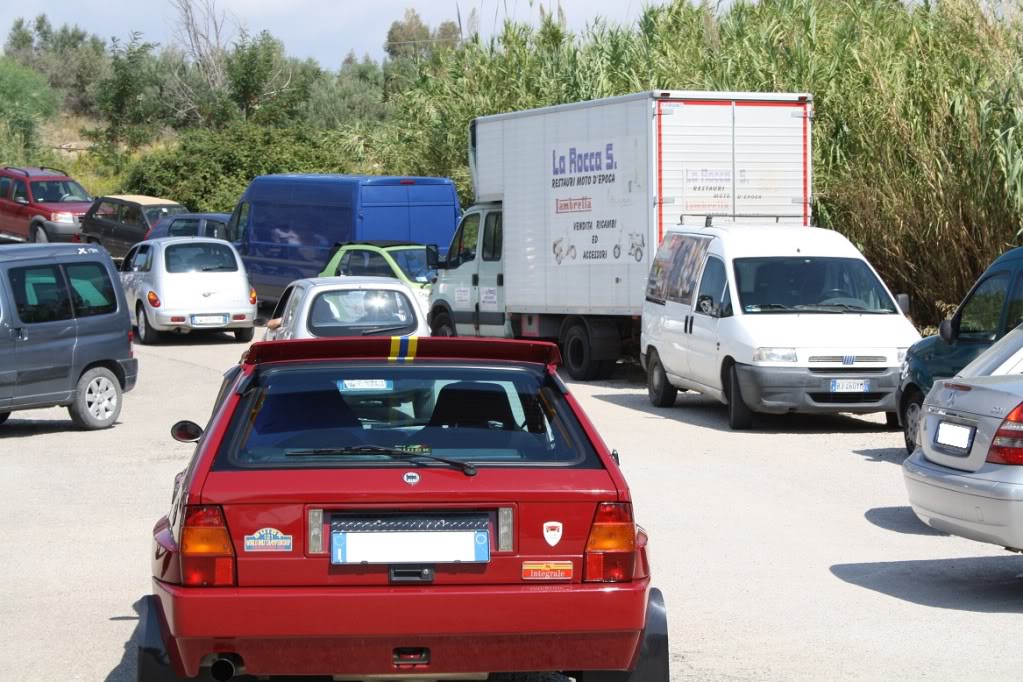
[(476, 280), (17, 334), (500, 279)]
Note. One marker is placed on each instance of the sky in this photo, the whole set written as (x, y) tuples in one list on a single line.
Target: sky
[(322, 29)]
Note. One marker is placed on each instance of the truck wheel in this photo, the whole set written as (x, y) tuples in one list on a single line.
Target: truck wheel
[(660, 390), (912, 407), (244, 335), (96, 400), (740, 417), (4, 416), (617, 251), (442, 326), (147, 335), (38, 235), (578, 354)]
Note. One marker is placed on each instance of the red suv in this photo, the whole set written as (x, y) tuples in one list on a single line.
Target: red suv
[(394, 508), (40, 204)]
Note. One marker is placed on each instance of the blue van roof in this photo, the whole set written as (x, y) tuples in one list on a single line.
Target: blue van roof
[(354, 179), (1012, 254)]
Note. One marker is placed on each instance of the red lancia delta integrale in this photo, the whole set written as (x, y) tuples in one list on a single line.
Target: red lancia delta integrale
[(433, 509)]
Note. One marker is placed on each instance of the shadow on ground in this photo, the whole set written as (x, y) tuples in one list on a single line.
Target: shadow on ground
[(25, 428), (900, 520), (980, 584), (890, 455), (198, 339)]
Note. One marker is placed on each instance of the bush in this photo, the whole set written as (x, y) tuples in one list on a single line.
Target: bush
[(25, 101)]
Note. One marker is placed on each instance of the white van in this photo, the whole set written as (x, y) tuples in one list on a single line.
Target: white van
[(772, 319)]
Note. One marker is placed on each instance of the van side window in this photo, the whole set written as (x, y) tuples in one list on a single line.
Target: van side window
[(981, 313), (91, 289), (40, 294), (463, 247), (238, 222), (685, 268), (492, 237), (657, 283), (712, 286)]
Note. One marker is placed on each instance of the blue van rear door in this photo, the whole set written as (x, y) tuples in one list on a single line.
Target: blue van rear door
[(425, 213)]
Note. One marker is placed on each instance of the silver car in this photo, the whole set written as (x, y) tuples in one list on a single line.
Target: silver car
[(347, 306), (966, 475), (184, 284)]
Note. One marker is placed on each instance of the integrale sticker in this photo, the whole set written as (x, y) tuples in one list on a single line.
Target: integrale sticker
[(547, 570)]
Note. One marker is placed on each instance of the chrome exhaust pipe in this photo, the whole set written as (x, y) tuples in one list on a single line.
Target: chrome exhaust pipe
[(223, 669)]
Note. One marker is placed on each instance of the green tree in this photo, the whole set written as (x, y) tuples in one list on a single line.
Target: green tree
[(355, 93), (264, 83), (26, 102), (129, 98)]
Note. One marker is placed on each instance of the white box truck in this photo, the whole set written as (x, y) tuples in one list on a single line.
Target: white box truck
[(573, 200)]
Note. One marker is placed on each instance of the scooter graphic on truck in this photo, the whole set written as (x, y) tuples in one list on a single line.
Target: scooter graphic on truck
[(561, 253), (636, 243)]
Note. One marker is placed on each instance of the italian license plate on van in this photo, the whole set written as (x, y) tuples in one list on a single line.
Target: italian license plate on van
[(850, 386), (410, 547), (209, 319), (954, 435)]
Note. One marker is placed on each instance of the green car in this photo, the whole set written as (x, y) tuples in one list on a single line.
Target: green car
[(414, 264)]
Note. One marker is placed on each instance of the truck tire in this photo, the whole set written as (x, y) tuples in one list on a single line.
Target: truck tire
[(660, 390), (577, 352), (96, 400), (147, 335), (442, 326), (740, 417)]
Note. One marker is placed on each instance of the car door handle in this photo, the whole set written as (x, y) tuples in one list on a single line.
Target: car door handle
[(17, 334)]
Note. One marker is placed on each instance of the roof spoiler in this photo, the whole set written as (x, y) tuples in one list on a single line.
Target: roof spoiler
[(403, 349)]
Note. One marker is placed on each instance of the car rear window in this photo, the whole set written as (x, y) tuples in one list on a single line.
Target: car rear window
[(311, 416), (200, 257), (361, 312), (156, 213)]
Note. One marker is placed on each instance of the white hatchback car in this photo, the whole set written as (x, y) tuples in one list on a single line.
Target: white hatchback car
[(348, 306), (184, 284)]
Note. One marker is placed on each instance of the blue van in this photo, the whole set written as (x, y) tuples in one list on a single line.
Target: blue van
[(287, 224)]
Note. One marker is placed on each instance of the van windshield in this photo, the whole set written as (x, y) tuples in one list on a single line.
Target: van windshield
[(810, 285)]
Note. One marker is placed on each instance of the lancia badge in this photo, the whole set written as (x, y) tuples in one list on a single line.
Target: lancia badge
[(410, 477)]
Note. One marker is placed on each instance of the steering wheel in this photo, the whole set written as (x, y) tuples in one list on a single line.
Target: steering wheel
[(65, 197), (835, 293)]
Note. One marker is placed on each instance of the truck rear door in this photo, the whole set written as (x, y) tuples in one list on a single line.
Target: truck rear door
[(745, 158)]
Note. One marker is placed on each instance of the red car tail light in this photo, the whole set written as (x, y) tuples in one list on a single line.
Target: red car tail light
[(207, 554), (252, 296), (1007, 445), (153, 299), (611, 548)]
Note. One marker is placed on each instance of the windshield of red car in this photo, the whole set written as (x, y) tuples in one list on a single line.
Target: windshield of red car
[(312, 416), (58, 191)]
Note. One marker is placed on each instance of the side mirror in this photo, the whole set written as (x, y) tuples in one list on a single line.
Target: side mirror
[(614, 456), (903, 301), (186, 432), (20, 200), (259, 322), (432, 257), (706, 305), (947, 331)]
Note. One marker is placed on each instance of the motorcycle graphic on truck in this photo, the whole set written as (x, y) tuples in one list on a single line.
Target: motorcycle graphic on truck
[(561, 252), (637, 242)]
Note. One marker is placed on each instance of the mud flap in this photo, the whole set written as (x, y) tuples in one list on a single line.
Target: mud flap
[(154, 664), (652, 662)]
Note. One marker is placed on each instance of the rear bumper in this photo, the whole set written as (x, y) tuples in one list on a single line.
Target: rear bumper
[(354, 631), (130, 368), (797, 389), (162, 320), (974, 506)]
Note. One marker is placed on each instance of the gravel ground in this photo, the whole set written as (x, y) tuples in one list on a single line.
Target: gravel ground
[(784, 553)]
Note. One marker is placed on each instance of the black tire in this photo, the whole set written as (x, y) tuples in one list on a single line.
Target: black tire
[(442, 326), (38, 235), (96, 400), (891, 420), (146, 334), (617, 251), (740, 417), (660, 390), (4, 416), (577, 354), (244, 335), (912, 406)]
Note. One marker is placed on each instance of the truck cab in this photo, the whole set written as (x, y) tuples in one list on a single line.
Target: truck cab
[(468, 298)]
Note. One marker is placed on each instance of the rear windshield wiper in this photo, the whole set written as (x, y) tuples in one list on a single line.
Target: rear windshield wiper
[(214, 268), (384, 330), (467, 468)]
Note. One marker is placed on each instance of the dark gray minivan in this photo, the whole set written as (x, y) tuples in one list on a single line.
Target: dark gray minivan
[(65, 333)]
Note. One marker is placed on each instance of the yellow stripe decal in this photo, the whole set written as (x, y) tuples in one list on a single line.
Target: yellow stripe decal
[(395, 348), (413, 342)]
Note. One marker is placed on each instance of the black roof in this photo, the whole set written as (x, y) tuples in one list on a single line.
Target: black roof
[(381, 243), (17, 252), (36, 171)]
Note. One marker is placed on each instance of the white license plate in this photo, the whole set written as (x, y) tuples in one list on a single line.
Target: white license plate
[(954, 435), (410, 547), (209, 319), (850, 386)]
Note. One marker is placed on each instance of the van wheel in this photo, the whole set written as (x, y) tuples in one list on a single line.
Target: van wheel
[(912, 407), (39, 235), (147, 335), (4, 416), (660, 390), (740, 417), (96, 400), (578, 354), (442, 326), (244, 335)]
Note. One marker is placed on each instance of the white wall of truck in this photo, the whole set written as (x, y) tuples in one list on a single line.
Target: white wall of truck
[(587, 191)]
